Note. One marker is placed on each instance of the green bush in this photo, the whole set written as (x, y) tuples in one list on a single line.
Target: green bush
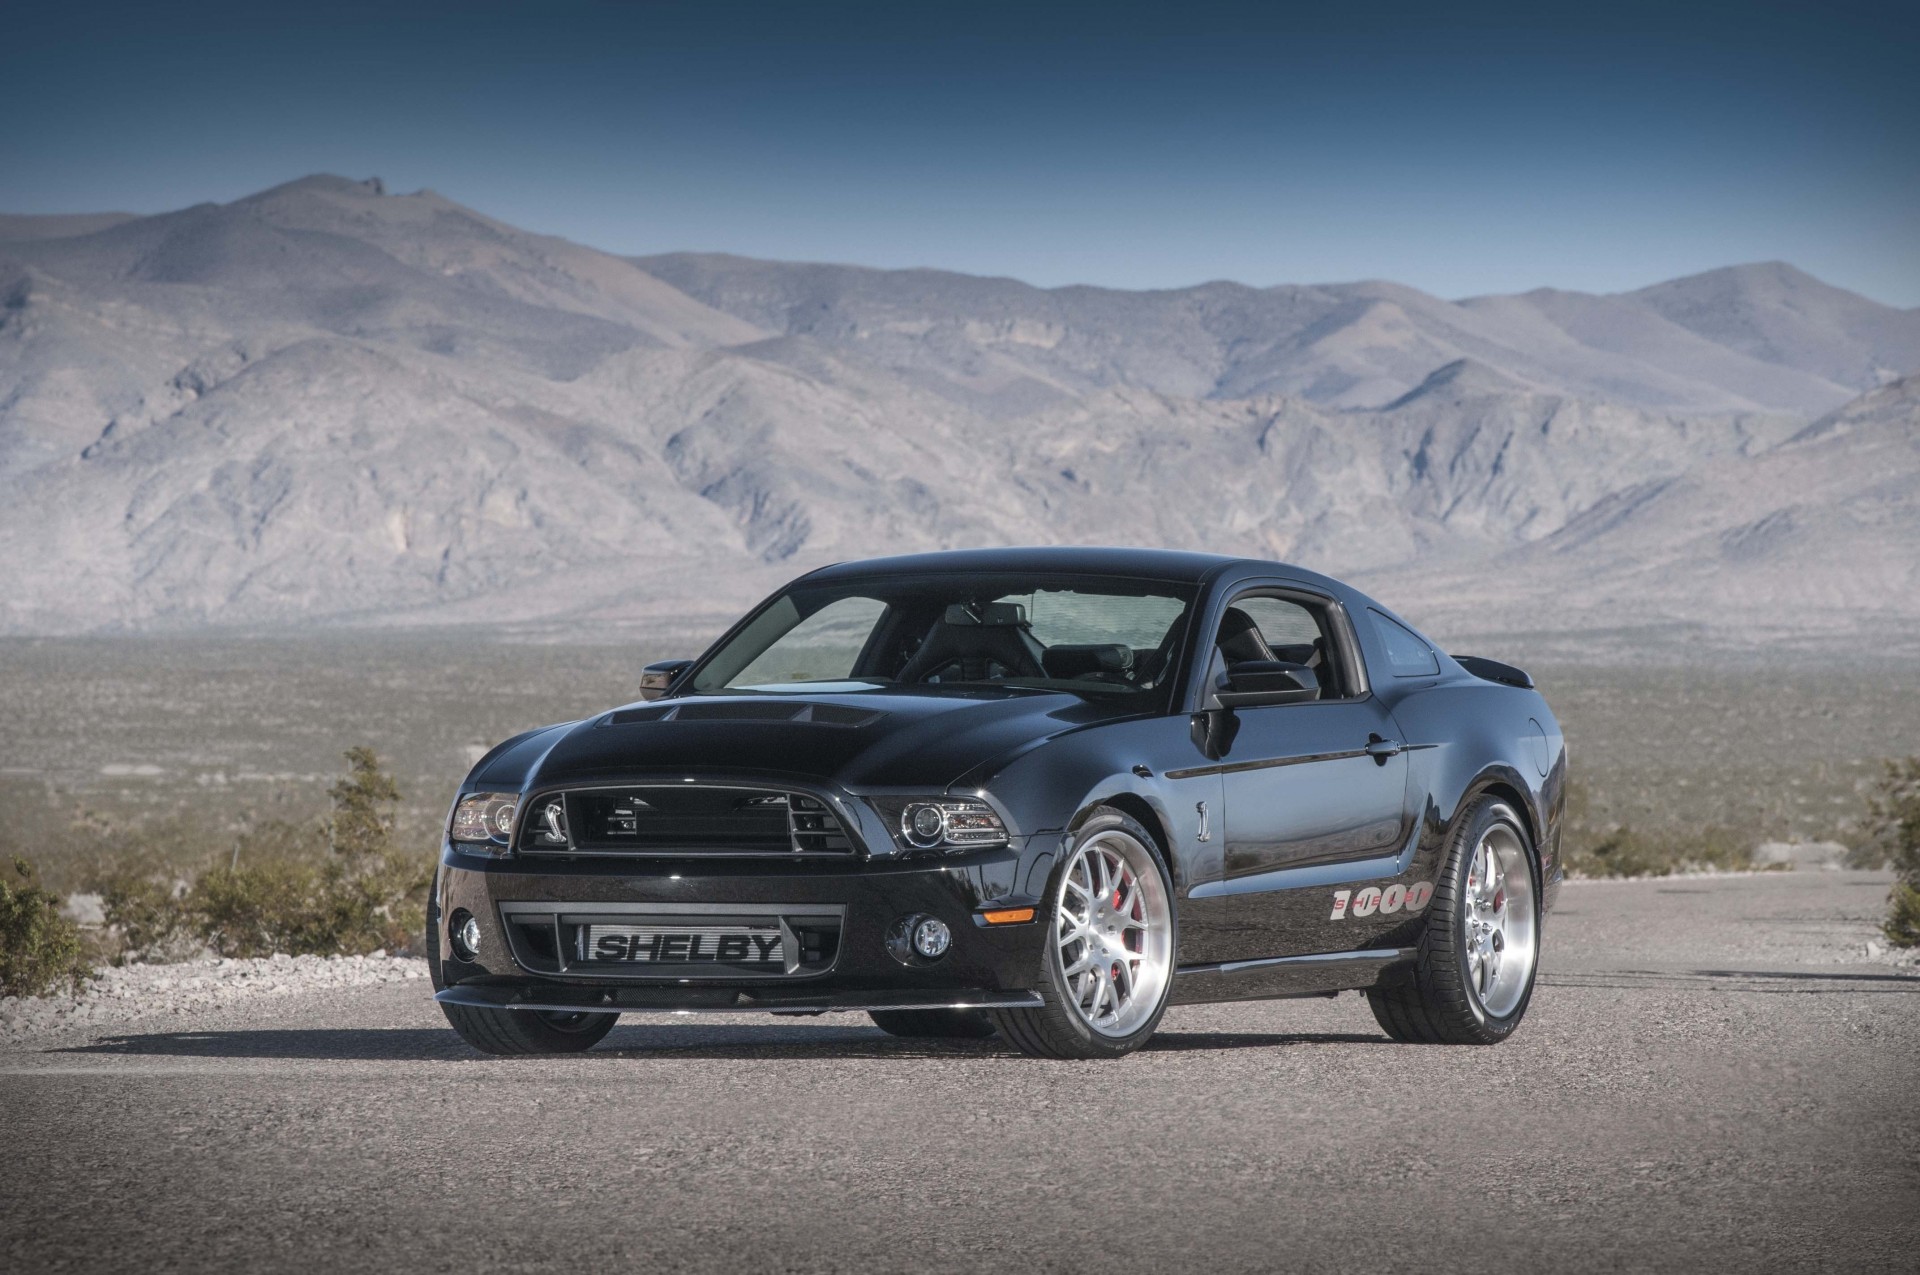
[(1623, 852), (142, 902), (341, 888), (1902, 926), (1590, 848), (337, 886), (1893, 839), (40, 950)]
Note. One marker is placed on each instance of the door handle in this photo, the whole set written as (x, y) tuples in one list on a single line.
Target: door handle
[(1380, 749)]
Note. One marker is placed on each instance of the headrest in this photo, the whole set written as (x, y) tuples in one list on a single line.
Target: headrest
[(1078, 659), (1240, 638)]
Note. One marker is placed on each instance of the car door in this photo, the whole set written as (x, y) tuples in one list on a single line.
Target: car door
[(1306, 786)]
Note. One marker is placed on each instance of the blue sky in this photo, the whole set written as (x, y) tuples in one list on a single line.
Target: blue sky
[(1463, 149)]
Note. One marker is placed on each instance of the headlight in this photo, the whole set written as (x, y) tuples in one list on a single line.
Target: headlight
[(484, 821), (941, 823)]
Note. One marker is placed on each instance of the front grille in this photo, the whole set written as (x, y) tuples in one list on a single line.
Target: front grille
[(674, 941), (682, 819)]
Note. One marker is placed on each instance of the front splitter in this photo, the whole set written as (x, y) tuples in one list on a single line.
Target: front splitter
[(634, 1000)]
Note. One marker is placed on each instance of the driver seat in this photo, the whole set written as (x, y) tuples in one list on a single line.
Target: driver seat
[(974, 647), (1240, 639)]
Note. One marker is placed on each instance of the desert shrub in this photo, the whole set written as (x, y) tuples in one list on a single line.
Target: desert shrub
[(143, 902), (1890, 832), (1591, 849), (263, 907), (339, 887), (1892, 838), (1624, 852), (332, 886), (377, 889), (40, 950), (364, 802), (1902, 926)]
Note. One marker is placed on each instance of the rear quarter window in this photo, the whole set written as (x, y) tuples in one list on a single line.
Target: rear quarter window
[(1408, 654)]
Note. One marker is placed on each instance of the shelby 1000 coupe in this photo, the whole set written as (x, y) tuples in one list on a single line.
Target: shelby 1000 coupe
[(1043, 792)]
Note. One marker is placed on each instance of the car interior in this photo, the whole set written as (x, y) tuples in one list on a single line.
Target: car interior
[(1302, 634), (994, 642), (931, 639)]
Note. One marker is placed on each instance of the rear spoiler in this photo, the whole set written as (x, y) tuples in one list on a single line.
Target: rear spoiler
[(1495, 671)]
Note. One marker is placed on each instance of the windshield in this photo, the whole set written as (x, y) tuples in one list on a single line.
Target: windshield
[(1090, 635)]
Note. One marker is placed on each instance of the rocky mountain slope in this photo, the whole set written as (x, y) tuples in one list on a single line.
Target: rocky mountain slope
[(1749, 338), (326, 403)]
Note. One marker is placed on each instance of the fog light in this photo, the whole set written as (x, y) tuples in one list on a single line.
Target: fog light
[(932, 938), (465, 931), (916, 939)]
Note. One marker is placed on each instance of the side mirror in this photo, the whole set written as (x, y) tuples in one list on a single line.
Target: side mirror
[(1253, 683), (657, 679)]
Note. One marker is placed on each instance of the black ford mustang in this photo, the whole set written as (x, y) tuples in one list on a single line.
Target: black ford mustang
[(1046, 792)]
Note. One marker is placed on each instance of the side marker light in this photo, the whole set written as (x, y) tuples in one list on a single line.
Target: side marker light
[(1008, 916)]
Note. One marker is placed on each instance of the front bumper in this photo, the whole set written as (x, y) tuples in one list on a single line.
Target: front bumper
[(986, 966)]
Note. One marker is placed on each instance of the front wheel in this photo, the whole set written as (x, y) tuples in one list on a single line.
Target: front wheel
[(528, 1031), (1475, 973), (1107, 964)]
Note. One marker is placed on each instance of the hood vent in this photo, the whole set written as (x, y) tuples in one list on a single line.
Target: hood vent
[(745, 711)]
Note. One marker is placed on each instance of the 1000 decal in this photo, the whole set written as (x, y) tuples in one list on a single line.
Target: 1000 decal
[(1365, 902)]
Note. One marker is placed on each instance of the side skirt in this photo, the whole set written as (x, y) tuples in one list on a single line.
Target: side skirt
[(1282, 976)]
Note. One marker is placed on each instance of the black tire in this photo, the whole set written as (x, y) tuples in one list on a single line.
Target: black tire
[(1055, 1029), (528, 1031), (1439, 1007), (952, 1024)]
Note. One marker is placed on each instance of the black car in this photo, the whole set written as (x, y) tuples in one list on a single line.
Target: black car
[(1044, 792)]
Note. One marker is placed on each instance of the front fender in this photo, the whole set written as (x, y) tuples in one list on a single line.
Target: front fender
[(1048, 790)]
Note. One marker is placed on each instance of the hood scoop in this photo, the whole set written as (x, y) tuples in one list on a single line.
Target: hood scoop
[(746, 711)]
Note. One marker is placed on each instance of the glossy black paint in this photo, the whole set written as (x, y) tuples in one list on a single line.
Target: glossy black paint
[(1263, 813)]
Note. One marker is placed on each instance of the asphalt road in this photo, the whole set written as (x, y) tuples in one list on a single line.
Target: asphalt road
[(1712, 1077)]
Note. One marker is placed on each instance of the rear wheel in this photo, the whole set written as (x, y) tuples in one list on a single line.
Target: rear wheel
[(1475, 973), (1107, 965), (955, 1024), (528, 1031)]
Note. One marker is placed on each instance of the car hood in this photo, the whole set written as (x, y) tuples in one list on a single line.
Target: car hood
[(865, 739)]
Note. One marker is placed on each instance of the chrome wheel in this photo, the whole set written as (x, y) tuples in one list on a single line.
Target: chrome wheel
[(1501, 938), (1113, 932)]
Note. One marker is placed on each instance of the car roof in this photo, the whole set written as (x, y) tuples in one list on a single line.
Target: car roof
[(1150, 564)]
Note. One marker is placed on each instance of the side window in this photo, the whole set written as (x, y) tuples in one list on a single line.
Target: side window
[(1408, 654), (1265, 627), (1281, 623)]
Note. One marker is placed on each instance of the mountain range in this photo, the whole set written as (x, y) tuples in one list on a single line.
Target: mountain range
[(328, 404)]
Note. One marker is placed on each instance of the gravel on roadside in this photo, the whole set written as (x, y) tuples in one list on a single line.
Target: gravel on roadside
[(130, 992)]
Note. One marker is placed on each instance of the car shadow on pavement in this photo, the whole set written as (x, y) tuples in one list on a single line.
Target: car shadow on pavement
[(1196, 1041), (433, 1044)]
